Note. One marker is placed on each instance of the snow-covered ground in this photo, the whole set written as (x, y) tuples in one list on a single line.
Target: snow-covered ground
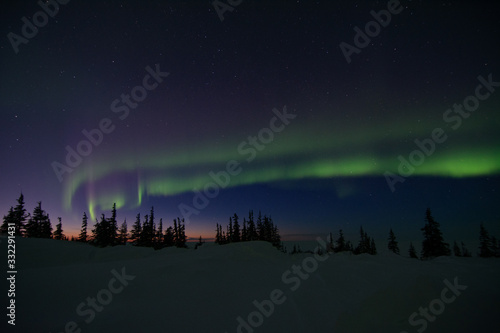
[(246, 287)]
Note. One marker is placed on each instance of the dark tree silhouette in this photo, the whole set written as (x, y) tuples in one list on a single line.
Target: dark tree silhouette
[(100, 233), (58, 234), (236, 229), (112, 228), (83, 232), (168, 239), (412, 252), (33, 228), (123, 233), (20, 216), (465, 252), (136, 230), (341, 243), (485, 246), (393, 244), (266, 231), (7, 219), (433, 244), (366, 244)]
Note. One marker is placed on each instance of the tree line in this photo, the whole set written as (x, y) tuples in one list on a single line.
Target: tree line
[(105, 232), (147, 233), (433, 244), (262, 229)]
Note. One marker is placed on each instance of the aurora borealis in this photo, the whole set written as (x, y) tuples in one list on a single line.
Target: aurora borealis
[(229, 87)]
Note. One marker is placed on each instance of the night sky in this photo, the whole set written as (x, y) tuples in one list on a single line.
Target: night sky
[(169, 93)]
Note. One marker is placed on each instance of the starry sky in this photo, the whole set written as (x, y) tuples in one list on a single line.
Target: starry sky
[(309, 111)]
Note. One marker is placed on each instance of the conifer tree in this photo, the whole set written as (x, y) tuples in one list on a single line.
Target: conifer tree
[(373, 248), (260, 228), (168, 239), (341, 244), (159, 235), (20, 216), (236, 228), (412, 252), (58, 234), (145, 238), (456, 249), (100, 233), (252, 230), (34, 226), (393, 244), (7, 219), (485, 248), (244, 231), (364, 245), (83, 232), (230, 234), (465, 252), (136, 232), (112, 228), (123, 233), (433, 244), (46, 227)]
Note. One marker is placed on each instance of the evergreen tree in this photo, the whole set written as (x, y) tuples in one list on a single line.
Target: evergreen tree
[(217, 234), (152, 226), (123, 233), (330, 247), (159, 236), (168, 239), (341, 244), (465, 252), (349, 247), (200, 243), (181, 233), (100, 233), (456, 249), (260, 228), (236, 228), (58, 234), (373, 248), (364, 245), (244, 231), (252, 230), (46, 227), (20, 216), (34, 226), (393, 244), (146, 236), (412, 253), (135, 236), (433, 244), (111, 228), (83, 233), (230, 233), (485, 246), (7, 219)]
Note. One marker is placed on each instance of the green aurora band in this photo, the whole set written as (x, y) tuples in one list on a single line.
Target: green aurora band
[(296, 153)]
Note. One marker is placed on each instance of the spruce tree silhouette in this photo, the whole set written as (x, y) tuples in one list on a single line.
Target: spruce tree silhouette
[(433, 244)]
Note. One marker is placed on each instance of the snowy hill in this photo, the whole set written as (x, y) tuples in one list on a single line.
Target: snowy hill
[(246, 287)]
